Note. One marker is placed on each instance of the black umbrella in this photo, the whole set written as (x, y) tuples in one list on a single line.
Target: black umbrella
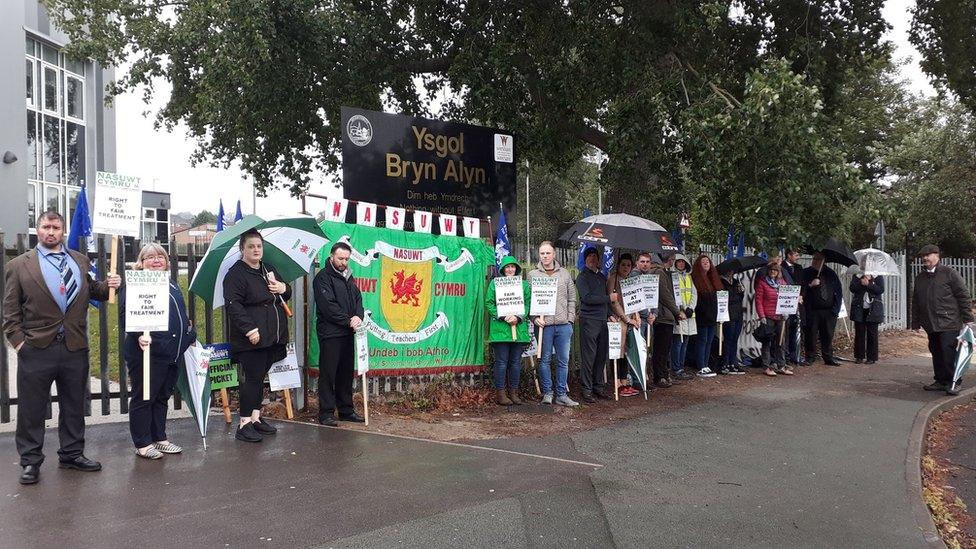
[(620, 230), (741, 264), (834, 251)]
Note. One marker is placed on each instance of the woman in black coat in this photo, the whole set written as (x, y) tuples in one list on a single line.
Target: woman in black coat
[(257, 331), (867, 312), (147, 417)]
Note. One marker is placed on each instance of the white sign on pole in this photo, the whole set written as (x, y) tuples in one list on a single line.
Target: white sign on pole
[(362, 349), (676, 284), (723, 306), (509, 299), (543, 295), (788, 300), (633, 294), (285, 374), (652, 290), (843, 310), (146, 301), (118, 204), (616, 340)]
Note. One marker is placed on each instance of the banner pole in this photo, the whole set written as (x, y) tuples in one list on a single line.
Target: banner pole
[(616, 385), (288, 409), (720, 337), (538, 340), (145, 369), (225, 404), (113, 265), (365, 401), (535, 375), (782, 334), (514, 336)]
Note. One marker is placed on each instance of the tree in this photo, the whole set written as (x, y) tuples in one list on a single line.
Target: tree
[(203, 217), (261, 81), (944, 31)]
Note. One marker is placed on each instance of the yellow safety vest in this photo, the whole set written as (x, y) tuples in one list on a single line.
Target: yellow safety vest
[(685, 285)]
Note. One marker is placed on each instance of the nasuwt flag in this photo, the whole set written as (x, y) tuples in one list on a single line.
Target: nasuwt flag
[(81, 228), (423, 297)]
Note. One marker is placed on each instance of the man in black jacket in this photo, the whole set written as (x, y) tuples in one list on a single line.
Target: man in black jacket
[(594, 335), (822, 296), (339, 311), (794, 272), (941, 304)]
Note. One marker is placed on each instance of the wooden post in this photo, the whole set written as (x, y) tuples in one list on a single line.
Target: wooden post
[(616, 385), (514, 336), (720, 338), (113, 266), (365, 401), (647, 336), (538, 340), (225, 404), (782, 334), (145, 369), (288, 409), (535, 375)]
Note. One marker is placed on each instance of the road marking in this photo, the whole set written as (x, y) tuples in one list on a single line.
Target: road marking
[(448, 443)]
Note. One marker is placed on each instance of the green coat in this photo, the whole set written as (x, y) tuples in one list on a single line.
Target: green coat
[(500, 331)]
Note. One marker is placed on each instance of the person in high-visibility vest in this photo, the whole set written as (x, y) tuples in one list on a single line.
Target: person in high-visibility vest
[(687, 297)]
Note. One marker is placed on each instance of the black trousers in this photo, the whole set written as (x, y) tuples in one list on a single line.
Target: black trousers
[(254, 365), (820, 325), (661, 351), (773, 348), (942, 345), (36, 370), (336, 370), (866, 341), (594, 343), (147, 418)]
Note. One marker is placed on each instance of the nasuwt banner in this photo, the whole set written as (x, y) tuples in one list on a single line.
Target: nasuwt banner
[(423, 297)]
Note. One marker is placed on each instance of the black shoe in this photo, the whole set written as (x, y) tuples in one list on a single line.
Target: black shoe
[(935, 386), (328, 421), (803, 363), (81, 463), (858, 361), (662, 383), (31, 474), (264, 428), (353, 418), (831, 362), (683, 376), (588, 398), (869, 362), (248, 433), (724, 371), (603, 394)]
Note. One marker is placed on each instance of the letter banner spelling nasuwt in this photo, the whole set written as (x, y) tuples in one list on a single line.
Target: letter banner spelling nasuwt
[(423, 297)]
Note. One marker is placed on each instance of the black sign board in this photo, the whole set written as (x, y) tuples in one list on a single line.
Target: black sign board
[(424, 164)]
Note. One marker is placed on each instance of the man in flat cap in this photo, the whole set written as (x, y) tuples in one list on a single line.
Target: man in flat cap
[(941, 304)]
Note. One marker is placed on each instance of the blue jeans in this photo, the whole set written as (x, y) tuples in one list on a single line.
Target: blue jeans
[(508, 364), (555, 338), (679, 349), (703, 344), (730, 342)]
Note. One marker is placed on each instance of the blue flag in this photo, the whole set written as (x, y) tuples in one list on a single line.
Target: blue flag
[(730, 243), (740, 250), (502, 246), (81, 229), (220, 217), (238, 216), (580, 260), (607, 260)]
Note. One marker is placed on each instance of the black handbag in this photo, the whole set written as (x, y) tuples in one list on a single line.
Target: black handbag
[(763, 331)]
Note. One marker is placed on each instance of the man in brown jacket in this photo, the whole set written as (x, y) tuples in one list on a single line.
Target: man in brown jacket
[(667, 316), (941, 305), (45, 320)]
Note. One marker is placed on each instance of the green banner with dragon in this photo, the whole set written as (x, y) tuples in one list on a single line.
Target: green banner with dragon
[(423, 295)]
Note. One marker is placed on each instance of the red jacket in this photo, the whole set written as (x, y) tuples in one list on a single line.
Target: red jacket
[(766, 299)]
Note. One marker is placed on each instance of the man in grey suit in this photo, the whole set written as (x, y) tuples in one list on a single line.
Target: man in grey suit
[(45, 319)]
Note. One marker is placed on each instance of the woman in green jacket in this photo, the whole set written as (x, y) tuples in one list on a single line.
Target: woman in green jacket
[(508, 336)]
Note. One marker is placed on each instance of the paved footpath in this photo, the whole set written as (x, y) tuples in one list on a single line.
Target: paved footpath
[(817, 460)]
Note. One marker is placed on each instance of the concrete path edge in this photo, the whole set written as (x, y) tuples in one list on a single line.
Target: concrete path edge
[(913, 464)]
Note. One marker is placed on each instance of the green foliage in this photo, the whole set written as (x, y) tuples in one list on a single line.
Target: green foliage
[(944, 31), (203, 217)]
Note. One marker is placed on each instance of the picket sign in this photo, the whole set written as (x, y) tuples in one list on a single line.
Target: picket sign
[(285, 375), (615, 351), (117, 212), (361, 341), (543, 302), (722, 315), (633, 294), (146, 310), (509, 299), (787, 300)]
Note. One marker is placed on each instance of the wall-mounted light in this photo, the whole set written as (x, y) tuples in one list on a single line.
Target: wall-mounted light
[(9, 157)]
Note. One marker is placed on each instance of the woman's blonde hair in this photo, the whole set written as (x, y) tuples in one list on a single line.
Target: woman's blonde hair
[(150, 248)]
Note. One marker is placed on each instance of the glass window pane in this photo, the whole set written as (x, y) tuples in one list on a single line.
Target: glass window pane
[(148, 213), (50, 54), (74, 65), (74, 136), (30, 46), (32, 145), (162, 215), (75, 96), (52, 150), (162, 232), (148, 232), (31, 205), (51, 89), (30, 81), (52, 199)]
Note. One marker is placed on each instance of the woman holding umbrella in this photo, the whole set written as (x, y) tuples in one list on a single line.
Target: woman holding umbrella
[(255, 299), (147, 416), (867, 312)]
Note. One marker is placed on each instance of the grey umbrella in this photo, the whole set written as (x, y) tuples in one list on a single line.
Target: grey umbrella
[(620, 230)]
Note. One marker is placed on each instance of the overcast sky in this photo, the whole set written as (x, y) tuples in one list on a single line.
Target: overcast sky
[(162, 158)]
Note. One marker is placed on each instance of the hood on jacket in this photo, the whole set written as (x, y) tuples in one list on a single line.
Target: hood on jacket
[(681, 257), (509, 260), (555, 266)]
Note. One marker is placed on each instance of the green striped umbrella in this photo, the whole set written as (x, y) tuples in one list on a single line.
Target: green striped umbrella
[(290, 246)]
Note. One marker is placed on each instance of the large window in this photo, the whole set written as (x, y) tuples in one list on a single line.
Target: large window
[(56, 144), (155, 226)]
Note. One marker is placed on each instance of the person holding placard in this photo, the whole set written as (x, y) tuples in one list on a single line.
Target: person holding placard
[(822, 297), (686, 297), (257, 329), (706, 281), (594, 314), (867, 313), (557, 329), (147, 416), (793, 272), (733, 328), (668, 314), (644, 267), (339, 313), (508, 329), (767, 293), (45, 319), (625, 264)]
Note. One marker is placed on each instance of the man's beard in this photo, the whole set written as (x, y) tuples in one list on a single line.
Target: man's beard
[(54, 246)]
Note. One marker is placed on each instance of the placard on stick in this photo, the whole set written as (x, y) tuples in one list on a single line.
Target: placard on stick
[(723, 306), (788, 300), (146, 310), (633, 294), (509, 299), (543, 296), (285, 375), (652, 290), (616, 332), (361, 341), (118, 204)]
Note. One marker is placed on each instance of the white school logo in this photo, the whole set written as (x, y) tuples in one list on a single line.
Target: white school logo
[(359, 130)]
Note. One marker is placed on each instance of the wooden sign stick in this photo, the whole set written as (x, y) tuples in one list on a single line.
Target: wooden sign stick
[(113, 265), (288, 409), (720, 339), (225, 404), (145, 370), (538, 350), (616, 384), (365, 401)]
